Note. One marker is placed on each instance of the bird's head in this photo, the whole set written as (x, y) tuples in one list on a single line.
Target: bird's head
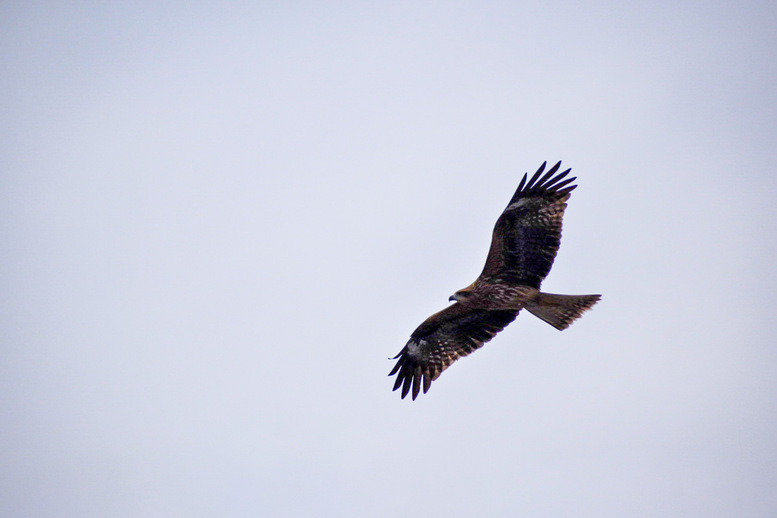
[(462, 295)]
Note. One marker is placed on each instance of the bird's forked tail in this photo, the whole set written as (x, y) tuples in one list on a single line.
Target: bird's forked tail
[(560, 310)]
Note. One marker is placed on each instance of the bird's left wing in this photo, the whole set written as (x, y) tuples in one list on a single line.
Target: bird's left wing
[(443, 338), (527, 235)]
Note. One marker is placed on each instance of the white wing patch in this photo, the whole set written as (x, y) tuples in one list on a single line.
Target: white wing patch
[(413, 347), (519, 203)]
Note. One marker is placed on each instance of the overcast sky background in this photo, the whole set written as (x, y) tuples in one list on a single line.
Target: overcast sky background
[(219, 221)]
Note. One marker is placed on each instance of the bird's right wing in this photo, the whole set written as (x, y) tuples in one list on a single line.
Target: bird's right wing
[(443, 338)]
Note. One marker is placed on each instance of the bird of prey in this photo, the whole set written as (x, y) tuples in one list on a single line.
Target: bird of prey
[(525, 241)]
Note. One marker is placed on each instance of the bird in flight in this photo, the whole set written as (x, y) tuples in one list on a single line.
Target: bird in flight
[(525, 241)]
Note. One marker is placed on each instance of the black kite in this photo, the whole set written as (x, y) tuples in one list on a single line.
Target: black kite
[(524, 243)]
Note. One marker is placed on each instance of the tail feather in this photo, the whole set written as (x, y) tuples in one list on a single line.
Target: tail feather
[(560, 310)]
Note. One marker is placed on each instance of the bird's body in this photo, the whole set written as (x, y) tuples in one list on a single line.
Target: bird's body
[(525, 241)]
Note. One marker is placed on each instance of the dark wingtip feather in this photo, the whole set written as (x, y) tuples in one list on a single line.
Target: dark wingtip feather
[(523, 182), (535, 176), (550, 173), (545, 184), (557, 178), (412, 377), (532, 181), (405, 387), (416, 381), (559, 185), (408, 377), (398, 382)]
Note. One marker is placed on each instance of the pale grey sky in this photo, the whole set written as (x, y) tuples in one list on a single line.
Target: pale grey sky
[(218, 222)]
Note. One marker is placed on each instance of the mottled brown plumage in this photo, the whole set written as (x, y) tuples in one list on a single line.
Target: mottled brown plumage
[(525, 241)]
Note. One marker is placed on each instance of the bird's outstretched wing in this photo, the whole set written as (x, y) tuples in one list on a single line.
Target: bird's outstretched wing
[(443, 338), (528, 233)]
